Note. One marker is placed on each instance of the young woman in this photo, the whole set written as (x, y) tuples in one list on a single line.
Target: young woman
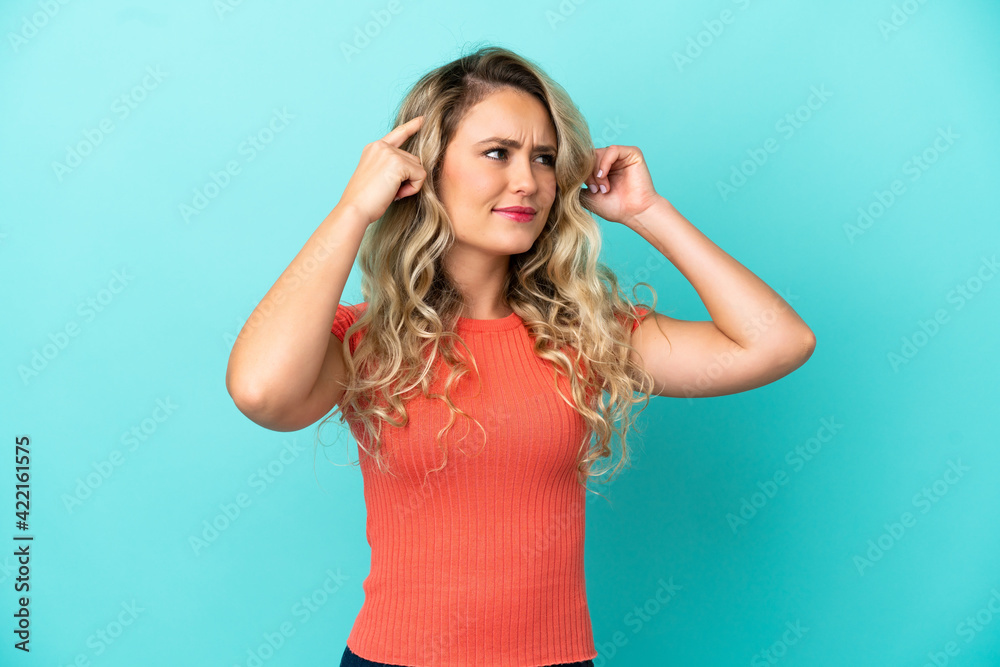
[(492, 359)]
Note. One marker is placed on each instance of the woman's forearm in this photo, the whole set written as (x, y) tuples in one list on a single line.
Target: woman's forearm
[(278, 354), (736, 299)]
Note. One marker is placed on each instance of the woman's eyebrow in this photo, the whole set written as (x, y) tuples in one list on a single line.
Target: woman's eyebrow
[(513, 143)]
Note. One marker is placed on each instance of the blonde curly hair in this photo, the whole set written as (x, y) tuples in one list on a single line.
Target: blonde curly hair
[(570, 302)]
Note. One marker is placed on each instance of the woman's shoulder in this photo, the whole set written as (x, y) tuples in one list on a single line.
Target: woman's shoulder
[(639, 312), (347, 314)]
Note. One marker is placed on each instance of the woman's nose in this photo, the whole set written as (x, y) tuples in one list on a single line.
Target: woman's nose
[(522, 176)]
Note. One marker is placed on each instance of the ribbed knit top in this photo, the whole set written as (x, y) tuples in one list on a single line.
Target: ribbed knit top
[(482, 564)]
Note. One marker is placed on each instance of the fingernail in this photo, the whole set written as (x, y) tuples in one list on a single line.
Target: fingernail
[(592, 188), (600, 172), (603, 189)]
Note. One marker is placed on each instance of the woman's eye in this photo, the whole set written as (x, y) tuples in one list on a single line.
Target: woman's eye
[(551, 159)]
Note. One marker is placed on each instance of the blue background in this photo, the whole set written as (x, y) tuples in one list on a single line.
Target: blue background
[(893, 75)]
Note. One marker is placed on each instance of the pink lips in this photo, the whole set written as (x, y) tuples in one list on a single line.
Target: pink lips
[(516, 213)]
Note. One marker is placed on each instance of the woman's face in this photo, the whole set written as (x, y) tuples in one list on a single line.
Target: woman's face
[(502, 155)]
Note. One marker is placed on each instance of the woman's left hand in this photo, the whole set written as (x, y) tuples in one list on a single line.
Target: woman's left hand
[(628, 187)]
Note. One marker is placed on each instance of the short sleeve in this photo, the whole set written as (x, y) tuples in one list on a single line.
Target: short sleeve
[(641, 311), (345, 317)]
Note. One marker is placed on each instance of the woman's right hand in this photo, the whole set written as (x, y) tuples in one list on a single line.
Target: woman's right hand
[(385, 167)]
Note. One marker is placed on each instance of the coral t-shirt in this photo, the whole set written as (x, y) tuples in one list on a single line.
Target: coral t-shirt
[(482, 564)]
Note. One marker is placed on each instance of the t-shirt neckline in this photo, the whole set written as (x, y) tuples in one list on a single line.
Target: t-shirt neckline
[(501, 324)]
